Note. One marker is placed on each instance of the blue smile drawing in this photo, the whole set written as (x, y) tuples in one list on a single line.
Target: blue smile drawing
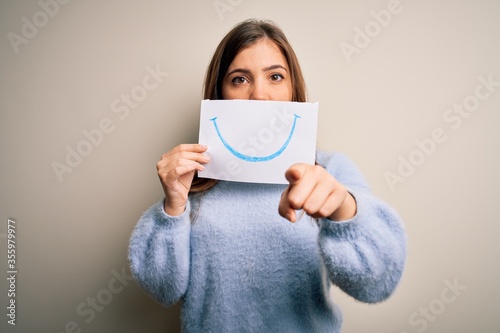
[(255, 158)]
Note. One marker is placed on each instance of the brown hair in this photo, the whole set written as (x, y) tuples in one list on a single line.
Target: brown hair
[(241, 36)]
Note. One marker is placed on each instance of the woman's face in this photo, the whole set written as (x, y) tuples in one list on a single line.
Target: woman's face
[(258, 72)]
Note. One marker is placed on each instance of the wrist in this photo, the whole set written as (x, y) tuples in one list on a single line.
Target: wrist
[(346, 211), (173, 210)]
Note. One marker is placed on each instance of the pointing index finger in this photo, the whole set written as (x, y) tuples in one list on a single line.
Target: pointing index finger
[(295, 173)]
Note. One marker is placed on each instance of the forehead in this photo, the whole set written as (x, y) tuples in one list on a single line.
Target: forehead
[(262, 52)]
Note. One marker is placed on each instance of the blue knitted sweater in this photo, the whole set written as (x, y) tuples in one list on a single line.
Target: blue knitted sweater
[(238, 266)]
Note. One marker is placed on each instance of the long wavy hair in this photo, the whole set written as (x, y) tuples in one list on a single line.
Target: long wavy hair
[(240, 37)]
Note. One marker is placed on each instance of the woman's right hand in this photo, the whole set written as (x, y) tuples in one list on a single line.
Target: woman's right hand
[(176, 171)]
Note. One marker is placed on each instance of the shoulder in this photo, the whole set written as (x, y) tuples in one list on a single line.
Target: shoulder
[(341, 167), (334, 161), (325, 157)]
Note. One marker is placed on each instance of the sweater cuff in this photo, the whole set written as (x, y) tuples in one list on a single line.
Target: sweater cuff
[(170, 222), (347, 229)]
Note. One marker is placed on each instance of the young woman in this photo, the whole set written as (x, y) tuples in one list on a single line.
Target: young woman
[(229, 251)]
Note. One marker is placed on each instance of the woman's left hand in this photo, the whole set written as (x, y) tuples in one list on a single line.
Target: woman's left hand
[(317, 192)]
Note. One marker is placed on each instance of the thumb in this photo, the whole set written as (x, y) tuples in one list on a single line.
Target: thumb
[(295, 173)]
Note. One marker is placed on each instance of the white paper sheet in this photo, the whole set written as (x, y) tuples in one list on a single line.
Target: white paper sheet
[(256, 141)]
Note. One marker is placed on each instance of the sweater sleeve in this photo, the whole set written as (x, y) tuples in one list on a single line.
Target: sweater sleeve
[(159, 253), (365, 255)]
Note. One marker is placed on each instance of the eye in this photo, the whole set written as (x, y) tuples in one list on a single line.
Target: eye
[(238, 80), (277, 77)]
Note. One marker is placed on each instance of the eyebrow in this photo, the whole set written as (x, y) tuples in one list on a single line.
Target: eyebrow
[(265, 69), (274, 67)]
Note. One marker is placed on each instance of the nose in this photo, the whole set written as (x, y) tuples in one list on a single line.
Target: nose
[(258, 91)]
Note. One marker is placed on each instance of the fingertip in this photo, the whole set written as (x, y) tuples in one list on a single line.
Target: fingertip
[(292, 174), (289, 214), (285, 213)]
